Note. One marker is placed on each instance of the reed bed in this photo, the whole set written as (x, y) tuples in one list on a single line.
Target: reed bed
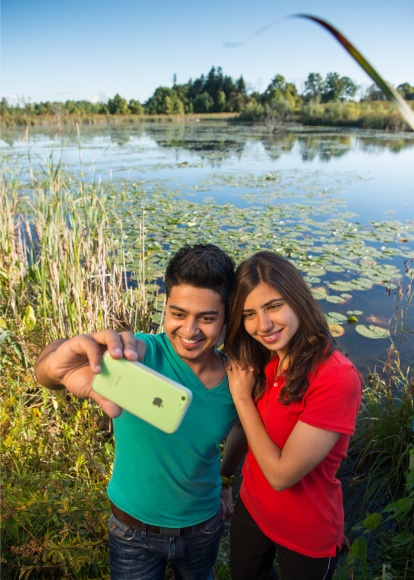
[(65, 262)]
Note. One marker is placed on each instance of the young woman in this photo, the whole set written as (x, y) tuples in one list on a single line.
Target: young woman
[(298, 416)]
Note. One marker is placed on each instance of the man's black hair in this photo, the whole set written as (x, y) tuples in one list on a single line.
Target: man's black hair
[(201, 266)]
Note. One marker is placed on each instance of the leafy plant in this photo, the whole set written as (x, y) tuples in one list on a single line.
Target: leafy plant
[(383, 457)]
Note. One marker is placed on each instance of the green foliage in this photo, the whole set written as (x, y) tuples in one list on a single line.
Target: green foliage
[(253, 111), (279, 90), (313, 87), (406, 91), (203, 103), (366, 115), (219, 93), (56, 462), (393, 532), (374, 93), (118, 106), (165, 101)]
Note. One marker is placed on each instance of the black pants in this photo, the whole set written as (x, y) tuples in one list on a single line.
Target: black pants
[(252, 554)]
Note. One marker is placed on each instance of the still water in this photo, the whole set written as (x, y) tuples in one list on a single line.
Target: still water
[(340, 204)]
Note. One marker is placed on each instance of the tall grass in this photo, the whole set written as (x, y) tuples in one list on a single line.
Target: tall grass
[(65, 260), (64, 269), (364, 115)]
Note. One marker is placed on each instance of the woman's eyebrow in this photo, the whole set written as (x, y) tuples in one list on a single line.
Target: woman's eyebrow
[(264, 305)]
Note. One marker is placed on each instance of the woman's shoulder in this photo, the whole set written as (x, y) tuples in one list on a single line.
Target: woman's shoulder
[(338, 358), (338, 370)]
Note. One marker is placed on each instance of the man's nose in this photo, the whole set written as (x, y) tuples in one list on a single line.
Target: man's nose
[(190, 326)]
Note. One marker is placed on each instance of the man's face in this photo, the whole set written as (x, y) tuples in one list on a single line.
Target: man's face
[(194, 321)]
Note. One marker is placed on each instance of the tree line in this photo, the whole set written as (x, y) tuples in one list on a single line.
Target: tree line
[(216, 93)]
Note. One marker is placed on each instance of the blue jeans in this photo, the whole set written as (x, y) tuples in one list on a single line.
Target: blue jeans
[(137, 555)]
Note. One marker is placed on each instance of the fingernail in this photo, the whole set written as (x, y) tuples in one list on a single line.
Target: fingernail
[(133, 354)]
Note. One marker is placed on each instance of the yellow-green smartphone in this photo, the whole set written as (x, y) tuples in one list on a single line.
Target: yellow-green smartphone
[(144, 392)]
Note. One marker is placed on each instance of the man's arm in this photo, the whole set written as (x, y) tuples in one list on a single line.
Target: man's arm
[(42, 373), (73, 363), (234, 451)]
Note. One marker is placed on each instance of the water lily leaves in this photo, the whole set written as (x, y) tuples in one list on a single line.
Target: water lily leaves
[(336, 330), (372, 331), (335, 318), (319, 293), (341, 285), (335, 299), (334, 268)]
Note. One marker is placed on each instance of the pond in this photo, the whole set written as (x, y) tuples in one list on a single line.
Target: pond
[(339, 204)]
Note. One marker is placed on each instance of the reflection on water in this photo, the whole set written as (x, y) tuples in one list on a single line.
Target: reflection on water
[(340, 204), (228, 138)]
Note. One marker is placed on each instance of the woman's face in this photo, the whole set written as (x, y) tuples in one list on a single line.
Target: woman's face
[(269, 319)]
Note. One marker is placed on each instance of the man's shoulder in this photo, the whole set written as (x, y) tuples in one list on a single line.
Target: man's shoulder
[(151, 338)]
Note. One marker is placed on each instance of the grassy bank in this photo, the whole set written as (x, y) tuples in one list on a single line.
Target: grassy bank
[(380, 115), (25, 120), (66, 268)]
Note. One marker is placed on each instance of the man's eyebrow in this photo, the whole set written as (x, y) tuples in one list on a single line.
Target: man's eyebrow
[(203, 313)]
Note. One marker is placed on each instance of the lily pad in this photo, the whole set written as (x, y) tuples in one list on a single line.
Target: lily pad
[(334, 299), (336, 317), (336, 330), (372, 331)]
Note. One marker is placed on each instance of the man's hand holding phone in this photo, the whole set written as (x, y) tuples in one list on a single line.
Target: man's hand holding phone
[(144, 392), (75, 362)]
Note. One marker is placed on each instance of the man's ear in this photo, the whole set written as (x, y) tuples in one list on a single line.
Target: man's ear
[(220, 345)]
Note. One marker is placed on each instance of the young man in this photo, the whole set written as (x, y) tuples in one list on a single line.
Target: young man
[(165, 489)]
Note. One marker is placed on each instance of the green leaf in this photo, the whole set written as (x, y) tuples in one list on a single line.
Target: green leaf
[(336, 317), (359, 551), (29, 319), (372, 331), (400, 540), (372, 521), (401, 506)]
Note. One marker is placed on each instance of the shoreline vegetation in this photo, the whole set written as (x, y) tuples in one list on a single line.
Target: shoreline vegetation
[(65, 268), (331, 101), (373, 116)]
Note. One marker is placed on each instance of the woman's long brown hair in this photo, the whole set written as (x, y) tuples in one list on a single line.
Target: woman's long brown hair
[(312, 342)]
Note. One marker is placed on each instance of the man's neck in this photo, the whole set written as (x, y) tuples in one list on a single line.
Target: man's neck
[(210, 369)]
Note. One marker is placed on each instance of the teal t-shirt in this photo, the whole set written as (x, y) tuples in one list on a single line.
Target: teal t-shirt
[(172, 480)]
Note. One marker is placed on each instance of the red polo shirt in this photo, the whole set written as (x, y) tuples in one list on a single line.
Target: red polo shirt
[(308, 517)]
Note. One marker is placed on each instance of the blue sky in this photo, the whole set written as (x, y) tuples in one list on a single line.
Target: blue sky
[(93, 49)]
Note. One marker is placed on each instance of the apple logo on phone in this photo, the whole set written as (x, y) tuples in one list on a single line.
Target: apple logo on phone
[(157, 402)]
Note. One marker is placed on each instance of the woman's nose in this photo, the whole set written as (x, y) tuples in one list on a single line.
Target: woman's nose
[(264, 322)]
